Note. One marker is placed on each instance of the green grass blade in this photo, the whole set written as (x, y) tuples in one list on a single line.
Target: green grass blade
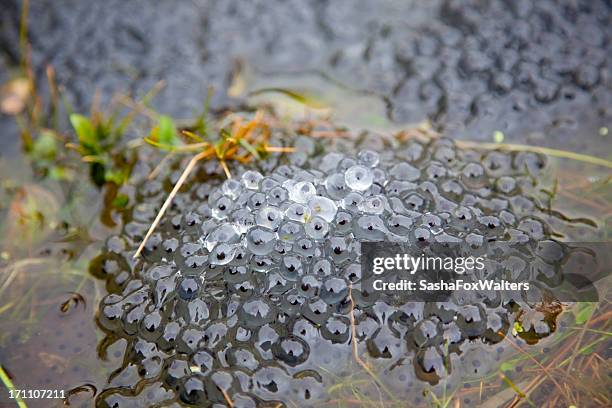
[(9, 386)]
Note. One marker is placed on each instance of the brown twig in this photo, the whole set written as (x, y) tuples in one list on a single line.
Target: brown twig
[(354, 332), (355, 349), (544, 369), (174, 191), (227, 398), (540, 378)]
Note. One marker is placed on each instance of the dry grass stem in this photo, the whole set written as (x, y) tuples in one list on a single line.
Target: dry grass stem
[(194, 160)]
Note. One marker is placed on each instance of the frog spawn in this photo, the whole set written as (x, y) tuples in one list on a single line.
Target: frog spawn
[(244, 288)]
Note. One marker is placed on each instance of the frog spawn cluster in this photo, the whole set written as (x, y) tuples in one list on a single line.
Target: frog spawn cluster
[(246, 278)]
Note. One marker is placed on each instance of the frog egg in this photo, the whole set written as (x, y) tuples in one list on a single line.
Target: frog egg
[(435, 171), (222, 207), (309, 286), (358, 178), (414, 202), (260, 241), (474, 241), (281, 247), (305, 247), (369, 227), (490, 223), (269, 217), (213, 195), (188, 289), (461, 217), (302, 191), (334, 290), (506, 184), (191, 219), (471, 319), (203, 360), (452, 189), (323, 267), (532, 162), (431, 220), (291, 267), (532, 227), (399, 188), (316, 310), (225, 232), (133, 318), (243, 220), (284, 171), (262, 263), (342, 223), (338, 249), (473, 175), (276, 195), (190, 248), (380, 177), (374, 190), (222, 254), (368, 158), (231, 188), (316, 228), (497, 163), (303, 175), (405, 172), (255, 313), (426, 333), (352, 273), (351, 202), (111, 316), (336, 186), (421, 234), (298, 212), (292, 350), (267, 184), (382, 344), (256, 201), (290, 231), (322, 207), (429, 365), (250, 179), (241, 201), (288, 185), (445, 154), (373, 205), (399, 224), (336, 329), (346, 164)]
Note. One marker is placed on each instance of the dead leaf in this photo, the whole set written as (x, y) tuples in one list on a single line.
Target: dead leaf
[(14, 96)]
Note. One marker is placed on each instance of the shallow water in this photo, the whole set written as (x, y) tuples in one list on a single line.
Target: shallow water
[(44, 264), (43, 347)]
